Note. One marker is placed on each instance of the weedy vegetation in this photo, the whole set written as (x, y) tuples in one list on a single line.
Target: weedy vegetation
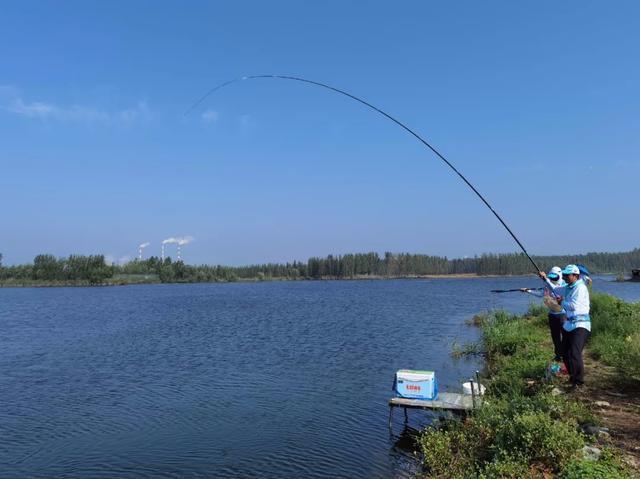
[(523, 430)]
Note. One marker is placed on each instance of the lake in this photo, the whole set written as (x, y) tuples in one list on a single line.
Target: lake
[(269, 380)]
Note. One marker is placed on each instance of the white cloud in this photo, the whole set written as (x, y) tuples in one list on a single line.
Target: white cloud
[(210, 116), (34, 110), (50, 111), (12, 102)]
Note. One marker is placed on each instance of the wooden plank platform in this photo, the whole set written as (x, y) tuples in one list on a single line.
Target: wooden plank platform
[(446, 401)]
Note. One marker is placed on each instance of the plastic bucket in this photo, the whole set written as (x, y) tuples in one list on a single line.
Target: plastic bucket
[(478, 389)]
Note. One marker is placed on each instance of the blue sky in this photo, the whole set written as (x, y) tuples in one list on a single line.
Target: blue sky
[(537, 104)]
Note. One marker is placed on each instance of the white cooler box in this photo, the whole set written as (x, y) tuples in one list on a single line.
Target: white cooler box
[(415, 384)]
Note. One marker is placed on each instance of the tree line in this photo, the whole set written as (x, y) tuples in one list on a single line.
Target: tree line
[(94, 269), (45, 267)]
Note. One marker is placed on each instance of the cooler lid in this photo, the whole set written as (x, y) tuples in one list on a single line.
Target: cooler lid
[(415, 375)]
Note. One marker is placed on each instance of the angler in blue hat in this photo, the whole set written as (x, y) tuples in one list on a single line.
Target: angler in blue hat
[(556, 315), (574, 298)]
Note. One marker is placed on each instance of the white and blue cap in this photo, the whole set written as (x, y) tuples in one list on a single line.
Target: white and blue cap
[(571, 269), (583, 269), (555, 273)]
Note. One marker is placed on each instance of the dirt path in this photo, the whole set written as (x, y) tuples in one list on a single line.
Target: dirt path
[(616, 401)]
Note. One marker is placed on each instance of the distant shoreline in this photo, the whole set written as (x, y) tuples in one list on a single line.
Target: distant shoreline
[(124, 282), (47, 270)]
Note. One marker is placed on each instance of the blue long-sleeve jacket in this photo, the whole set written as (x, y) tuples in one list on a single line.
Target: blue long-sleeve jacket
[(576, 304)]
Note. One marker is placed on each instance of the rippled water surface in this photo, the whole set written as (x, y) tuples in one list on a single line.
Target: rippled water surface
[(229, 380)]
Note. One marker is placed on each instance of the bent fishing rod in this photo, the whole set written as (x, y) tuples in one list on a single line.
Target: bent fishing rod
[(515, 290), (386, 115)]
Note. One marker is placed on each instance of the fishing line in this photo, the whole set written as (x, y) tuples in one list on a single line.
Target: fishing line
[(386, 115)]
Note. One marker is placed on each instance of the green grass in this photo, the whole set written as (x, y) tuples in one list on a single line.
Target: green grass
[(615, 336), (522, 430)]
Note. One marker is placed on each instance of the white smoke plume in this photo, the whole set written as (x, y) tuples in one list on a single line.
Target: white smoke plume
[(181, 240), (144, 245), (185, 240)]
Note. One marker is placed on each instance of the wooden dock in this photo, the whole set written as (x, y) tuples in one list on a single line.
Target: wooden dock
[(444, 402), (448, 401)]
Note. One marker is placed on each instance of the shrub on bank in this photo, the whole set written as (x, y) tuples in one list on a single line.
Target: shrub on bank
[(593, 470), (502, 436), (608, 467)]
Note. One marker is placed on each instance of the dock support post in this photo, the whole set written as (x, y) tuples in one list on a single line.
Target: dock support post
[(390, 416), (479, 388), (473, 395), (406, 416)]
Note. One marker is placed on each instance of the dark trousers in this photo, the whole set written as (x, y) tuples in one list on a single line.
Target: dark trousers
[(555, 326), (573, 344)]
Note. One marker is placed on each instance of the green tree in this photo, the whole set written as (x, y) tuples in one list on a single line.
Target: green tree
[(46, 267)]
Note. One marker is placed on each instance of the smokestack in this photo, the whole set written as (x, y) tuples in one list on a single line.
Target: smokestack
[(140, 248), (183, 241), (168, 241), (180, 241)]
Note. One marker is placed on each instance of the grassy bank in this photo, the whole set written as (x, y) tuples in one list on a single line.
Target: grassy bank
[(118, 280), (530, 426)]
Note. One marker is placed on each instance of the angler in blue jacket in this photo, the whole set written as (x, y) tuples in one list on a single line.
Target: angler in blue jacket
[(556, 318), (574, 298)]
